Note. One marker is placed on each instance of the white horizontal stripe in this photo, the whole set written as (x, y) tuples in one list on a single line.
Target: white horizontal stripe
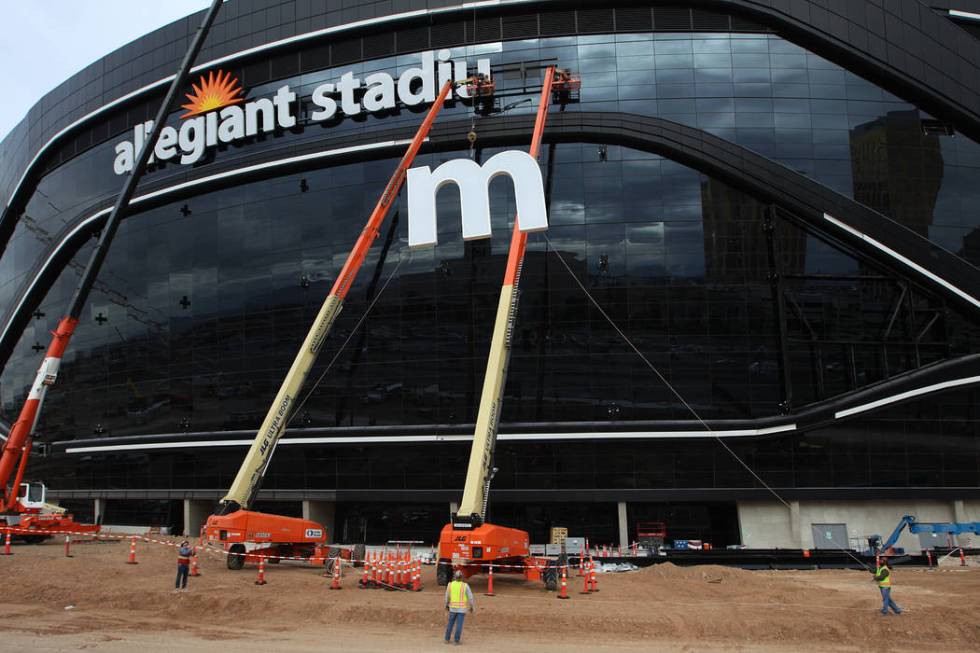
[(905, 395), (379, 439), (956, 13), (190, 184), (915, 266), (244, 53)]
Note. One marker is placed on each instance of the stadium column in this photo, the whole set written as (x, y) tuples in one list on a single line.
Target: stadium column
[(624, 535), (322, 512), (795, 524), (98, 510), (196, 512)]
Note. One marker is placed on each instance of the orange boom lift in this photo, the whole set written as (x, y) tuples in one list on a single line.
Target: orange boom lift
[(22, 506), (243, 532), (468, 543)]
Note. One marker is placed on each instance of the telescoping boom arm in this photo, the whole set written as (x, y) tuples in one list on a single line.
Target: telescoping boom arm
[(18, 445), (249, 479), (472, 508)]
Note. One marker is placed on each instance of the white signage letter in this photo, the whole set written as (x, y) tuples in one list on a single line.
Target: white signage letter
[(124, 158), (232, 125), (321, 98), (191, 140), (347, 85), (252, 110), (427, 73), (166, 146), (380, 93), (283, 99), (474, 194)]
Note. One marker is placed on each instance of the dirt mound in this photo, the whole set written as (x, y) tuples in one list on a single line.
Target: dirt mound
[(687, 606)]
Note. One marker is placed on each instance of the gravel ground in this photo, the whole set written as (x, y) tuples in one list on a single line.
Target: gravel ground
[(120, 607)]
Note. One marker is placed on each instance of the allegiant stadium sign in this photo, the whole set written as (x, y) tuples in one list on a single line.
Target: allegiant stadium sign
[(217, 113)]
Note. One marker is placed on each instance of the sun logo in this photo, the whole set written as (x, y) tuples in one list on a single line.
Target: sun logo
[(215, 91)]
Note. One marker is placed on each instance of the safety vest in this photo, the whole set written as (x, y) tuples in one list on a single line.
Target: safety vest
[(887, 580), (457, 595)]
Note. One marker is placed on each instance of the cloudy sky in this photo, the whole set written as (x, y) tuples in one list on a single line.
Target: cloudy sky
[(47, 41)]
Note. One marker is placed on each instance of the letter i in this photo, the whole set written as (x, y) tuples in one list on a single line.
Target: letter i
[(445, 67)]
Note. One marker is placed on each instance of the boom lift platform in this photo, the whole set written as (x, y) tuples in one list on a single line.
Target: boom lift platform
[(22, 505), (246, 534), (877, 547), (468, 542)]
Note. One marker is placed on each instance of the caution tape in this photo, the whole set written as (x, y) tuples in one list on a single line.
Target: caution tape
[(210, 548)]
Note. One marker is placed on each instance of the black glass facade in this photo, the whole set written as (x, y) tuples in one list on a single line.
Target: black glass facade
[(749, 311)]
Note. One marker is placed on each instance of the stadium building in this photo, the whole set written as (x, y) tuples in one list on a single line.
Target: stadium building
[(774, 201)]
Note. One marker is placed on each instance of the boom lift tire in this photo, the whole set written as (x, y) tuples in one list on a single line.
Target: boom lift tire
[(552, 573), (236, 557), (444, 572), (360, 552)]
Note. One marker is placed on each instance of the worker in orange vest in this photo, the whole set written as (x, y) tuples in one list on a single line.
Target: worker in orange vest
[(459, 601), (183, 566)]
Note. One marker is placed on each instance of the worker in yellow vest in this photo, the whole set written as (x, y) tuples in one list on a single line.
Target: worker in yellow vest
[(883, 575), (459, 601)]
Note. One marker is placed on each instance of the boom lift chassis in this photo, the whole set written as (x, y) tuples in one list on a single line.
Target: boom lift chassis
[(468, 543)]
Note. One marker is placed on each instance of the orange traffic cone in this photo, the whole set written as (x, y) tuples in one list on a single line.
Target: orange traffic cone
[(595, 581), (417, 587), (376, 573), (195, 571), (6, 545), (929, 557), (335, 583), (132, 552), (962, 558), (564, 583), (365, 576), (261, 579), (490, 583), (585, 579)]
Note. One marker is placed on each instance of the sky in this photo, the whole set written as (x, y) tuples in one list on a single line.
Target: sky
[(47, 41)]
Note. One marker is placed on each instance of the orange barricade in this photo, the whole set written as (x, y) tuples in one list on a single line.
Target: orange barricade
[(490, 583), (195, 570), (132, 552), (261, 579), (335, 583), (564, 583)]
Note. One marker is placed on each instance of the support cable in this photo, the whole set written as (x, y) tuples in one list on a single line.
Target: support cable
[(675, 392), (296, 411)]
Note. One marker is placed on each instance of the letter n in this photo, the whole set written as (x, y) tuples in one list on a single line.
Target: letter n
[(473, 181)]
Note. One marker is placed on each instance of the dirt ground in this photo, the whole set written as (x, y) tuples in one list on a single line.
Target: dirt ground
[(120, 607)]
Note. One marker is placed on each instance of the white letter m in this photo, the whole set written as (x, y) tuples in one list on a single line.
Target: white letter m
[(474, 194)]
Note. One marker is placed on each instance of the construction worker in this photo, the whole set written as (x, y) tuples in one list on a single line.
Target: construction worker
[(459, 601), (883, 575), (183, 566)]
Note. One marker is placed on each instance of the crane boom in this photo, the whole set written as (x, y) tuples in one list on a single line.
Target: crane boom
[(478, 471), (17, 446), (249, 478)]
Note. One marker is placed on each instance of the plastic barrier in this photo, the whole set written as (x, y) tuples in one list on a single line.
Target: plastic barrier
[(489, 591), (195, 569), (564, 583), (132, 552)]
